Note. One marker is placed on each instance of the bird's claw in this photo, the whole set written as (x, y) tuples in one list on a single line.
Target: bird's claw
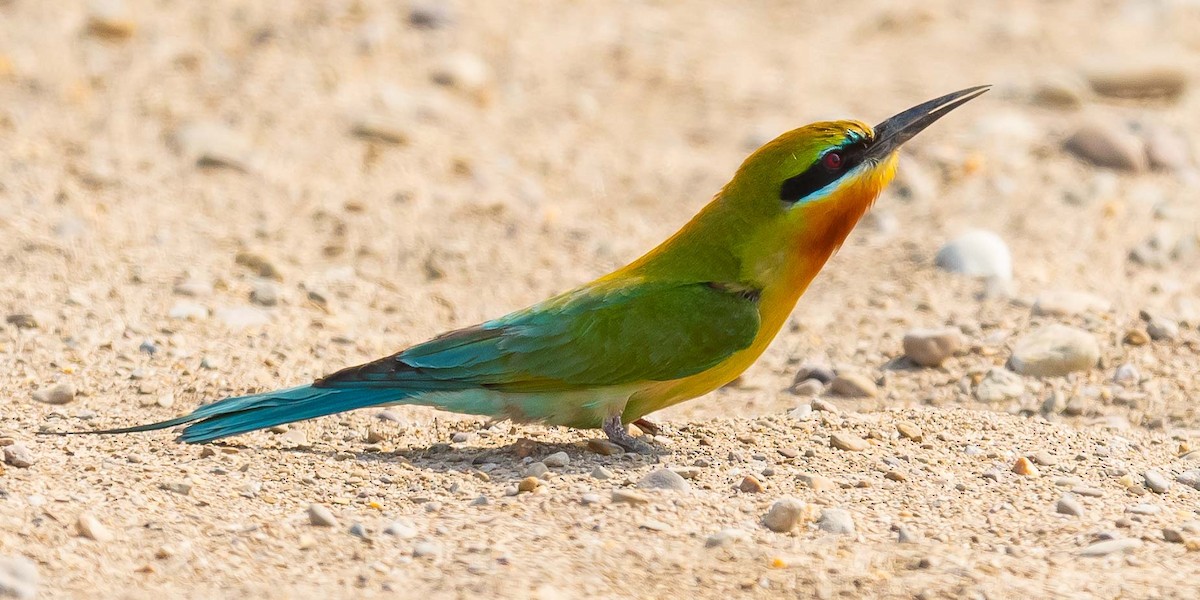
[(619, 435)]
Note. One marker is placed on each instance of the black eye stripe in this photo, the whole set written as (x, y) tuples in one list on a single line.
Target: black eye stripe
[(817, 175)]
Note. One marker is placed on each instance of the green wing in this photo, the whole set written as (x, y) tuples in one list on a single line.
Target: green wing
[(609, 334)]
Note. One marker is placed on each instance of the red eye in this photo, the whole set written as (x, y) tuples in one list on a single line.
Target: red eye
[(832, 160)]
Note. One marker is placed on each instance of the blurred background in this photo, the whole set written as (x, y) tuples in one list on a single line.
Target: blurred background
[(203, 198)]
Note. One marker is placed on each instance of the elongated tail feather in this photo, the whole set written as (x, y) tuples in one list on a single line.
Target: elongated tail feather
[(232, 416)]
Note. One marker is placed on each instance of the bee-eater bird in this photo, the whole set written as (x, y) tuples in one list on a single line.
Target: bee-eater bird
[(677, 323)]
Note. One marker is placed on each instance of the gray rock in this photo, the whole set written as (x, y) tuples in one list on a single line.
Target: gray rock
[(1140, 82), (999, 384), (931, 347), (18, 578), (1107, 144), (664, 479), (60, 393), (19, 455), (977, 253), (808, 387), (536, 469), (853, 385), (402, 529), (22, 321), (1055, 350), (844, 440), (1127, 374), (1161, 329), (1144, 509), (905, 535), (784, 514), (836, 520), (602, 473), (557, 460), (1068, 504), (265, 293), (1190, 478), (1118, 546), (1156, 482), (589, 498), (1069, 304), (320, 516), (430, 15), (359, 531), (726, 537)]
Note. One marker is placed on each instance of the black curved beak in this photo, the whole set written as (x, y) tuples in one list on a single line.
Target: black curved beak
[(893, 132)]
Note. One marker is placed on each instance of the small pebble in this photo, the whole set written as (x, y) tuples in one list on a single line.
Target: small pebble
[(1105, 548), (931, 347), (1173, 536), (836, 520), (664, 479), (977, 253), (750, 485), (109, 19), (265, 293), (629, 497), (601, 473), (817, 483), (22, 321), (726, 537), (905, 535), (359, 531), (1156, 482), (999, 384), (1055, 350), (557, 460), (427, 14), (404, 530), (853, 385), (1108, 144), (536, 469), (1025, 467), (808, 387), (60, 393), (784, 514), (90, 527), (1161, 329), (1139, 82), (1136, 337), (213, 144), (1144, 509), (382, 127), (179, 487), (910, 431), (590, 498), (19, 455), (320, 516), (1068, 504), (529, 484), (1069, 304), (604, 447), (843, 440)]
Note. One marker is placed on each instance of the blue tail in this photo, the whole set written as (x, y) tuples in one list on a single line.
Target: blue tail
[(232, 416)]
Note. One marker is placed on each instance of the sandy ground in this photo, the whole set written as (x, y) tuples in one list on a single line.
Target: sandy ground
[(205, 199)]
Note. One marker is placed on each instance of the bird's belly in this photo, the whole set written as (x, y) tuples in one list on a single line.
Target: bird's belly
[(584, 408)]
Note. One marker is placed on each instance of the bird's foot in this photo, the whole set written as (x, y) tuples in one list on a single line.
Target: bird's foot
[(616, 431)]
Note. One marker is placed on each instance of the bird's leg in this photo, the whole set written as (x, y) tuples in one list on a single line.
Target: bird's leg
[(648, 426), (615, 430)]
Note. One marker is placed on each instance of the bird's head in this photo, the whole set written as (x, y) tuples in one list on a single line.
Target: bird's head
[(817, 181)]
